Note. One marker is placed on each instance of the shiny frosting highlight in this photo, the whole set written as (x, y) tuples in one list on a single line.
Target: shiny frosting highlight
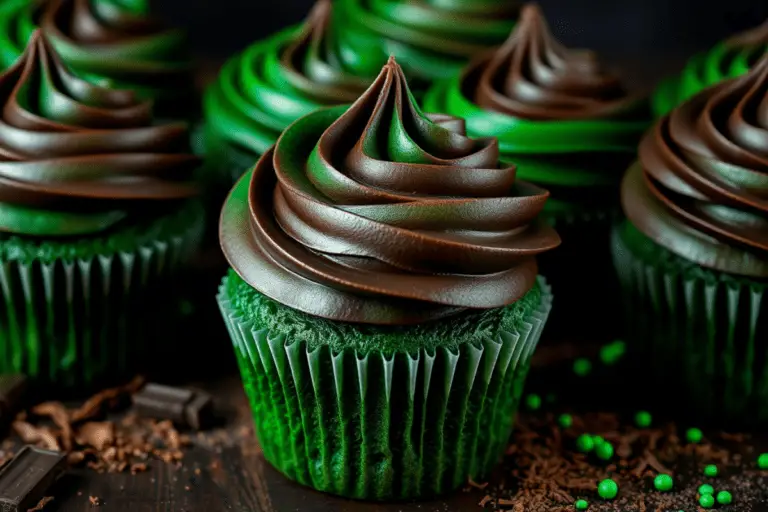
[(556, 112), (110, 42), (378, 214), (731, 58), (430, 38), (76, 158), (700, 188), (274, 82)]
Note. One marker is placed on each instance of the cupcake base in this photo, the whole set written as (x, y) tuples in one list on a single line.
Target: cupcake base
[(700, 332), (78, 314), (382, 413)]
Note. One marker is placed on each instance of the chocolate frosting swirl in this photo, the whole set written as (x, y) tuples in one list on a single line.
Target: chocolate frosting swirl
[(76, 158), (110, 42), (274, 82), (731, 58), (533, 76), (377, 214), (431, 38), (700, 188)]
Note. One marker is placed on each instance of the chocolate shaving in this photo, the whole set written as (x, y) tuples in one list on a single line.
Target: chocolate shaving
[(109, 398), (60, 417), (96, 434), (41, 505), (42, 436)]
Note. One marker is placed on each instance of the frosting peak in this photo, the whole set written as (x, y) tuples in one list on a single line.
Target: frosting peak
[(532, 76), (377, 213), (700, 188), (78, 155)]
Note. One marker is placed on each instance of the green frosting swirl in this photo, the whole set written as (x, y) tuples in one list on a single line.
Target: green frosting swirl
[(564, 122), (431, 39), (731, 58), (274, 82), (115, 43)]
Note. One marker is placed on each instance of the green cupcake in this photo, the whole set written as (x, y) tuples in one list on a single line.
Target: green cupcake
[(432, 39), (384, 301), (728, 59), (267, 87), (95, 218), (112, 43), (568, 126), (693, 255)]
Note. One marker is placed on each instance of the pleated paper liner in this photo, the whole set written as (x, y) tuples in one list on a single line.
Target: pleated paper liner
[(701, 334), (75, 323), (383, 426)]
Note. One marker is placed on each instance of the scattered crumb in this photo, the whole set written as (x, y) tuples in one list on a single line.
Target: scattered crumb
[(94, 501)]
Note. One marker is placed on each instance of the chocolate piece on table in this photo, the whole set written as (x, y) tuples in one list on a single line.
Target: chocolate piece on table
[(26, 479), (184, 407), (12, 390)]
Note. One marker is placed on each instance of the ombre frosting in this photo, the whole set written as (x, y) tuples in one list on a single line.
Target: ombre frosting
[(377, 213)]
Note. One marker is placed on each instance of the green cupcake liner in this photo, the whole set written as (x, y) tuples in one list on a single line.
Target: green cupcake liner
[(383, 426), (83, 321), (699, 331)]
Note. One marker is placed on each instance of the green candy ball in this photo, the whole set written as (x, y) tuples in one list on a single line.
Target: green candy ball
[(643, 419), (663, 483), (581, 505), (762, 461), (533, 401), (707, 501), (607, 489), (710, 470), (604, 450), (706, 489), (565, 421), (582, 367), (724, 498), (694, 435), (585, 443)]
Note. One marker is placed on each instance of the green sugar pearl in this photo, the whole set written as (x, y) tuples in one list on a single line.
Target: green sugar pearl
[(608, 489), (762, 461), (694, 435), (533, 401), (612, 352), (706, 489), (643, 419), (707, 501), (663, 483), (710, 470), (724, 498), (565, 421), (597, 440), (585, 443), (604, 450), (582, 367), (581, 505)]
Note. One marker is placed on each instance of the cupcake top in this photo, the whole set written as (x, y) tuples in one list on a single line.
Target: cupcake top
[(78, 159), (544, 100), (379, 214), (431, 38), (272, 83), (110, 42), (700, 187), (729, 59)]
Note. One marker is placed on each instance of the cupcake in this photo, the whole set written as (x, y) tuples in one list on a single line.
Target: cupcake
[(569, 126), (267, 87), (384, 300), (729, 59), (693, 254), (111, 43), (432, 39), (95, 218)]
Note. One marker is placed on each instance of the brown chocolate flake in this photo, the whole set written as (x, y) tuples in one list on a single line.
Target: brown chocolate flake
[(99, 435), (486, 500), (94, 501), (39, 436), (41, 505)]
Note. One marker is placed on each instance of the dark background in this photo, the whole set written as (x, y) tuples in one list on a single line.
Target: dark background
[(633, 28)]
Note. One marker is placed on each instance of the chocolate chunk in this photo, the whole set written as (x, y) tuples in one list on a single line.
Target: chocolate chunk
[(184, 407), (12, 390), (27, 478)]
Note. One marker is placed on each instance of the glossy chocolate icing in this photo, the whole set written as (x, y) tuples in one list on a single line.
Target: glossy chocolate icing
[(376, 214), (82, 152), (533, 76), (700, 188)]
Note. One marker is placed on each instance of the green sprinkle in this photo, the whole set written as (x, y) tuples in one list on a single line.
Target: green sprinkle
[(694, 435), (533, 401), (581, 505), (707, 501), (582, 367), (584, 443), (608, 489), (706, 489), (612, 352), (663, 483), (710, 470), (565, 421), (724, 498), (604, 450), (597, 440), (762, 461), (643, 419)]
